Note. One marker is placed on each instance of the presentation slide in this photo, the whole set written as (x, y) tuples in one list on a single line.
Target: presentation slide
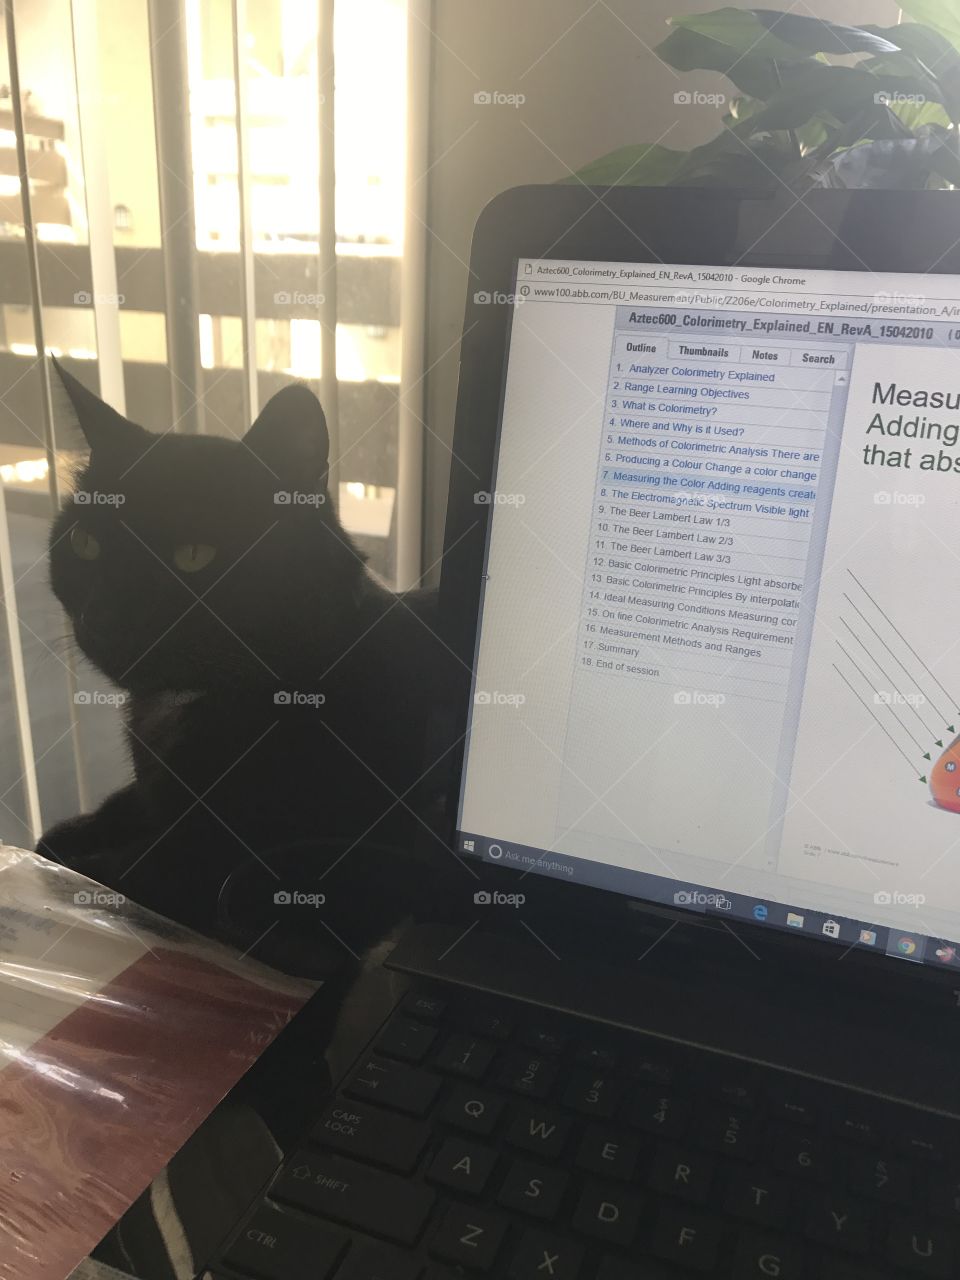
[(874, 797)]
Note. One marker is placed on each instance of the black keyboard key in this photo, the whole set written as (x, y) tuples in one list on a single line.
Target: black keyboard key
[(426, 1007), (796, 1152), (470, 1237), (856, 1127), (543, 1257), (466, 1056), (763, 1256), (360, 1197), (484, 1022), (650, 1069), (366, 1133), (542, 1132), (732, 1090), (658, 1111), (533, 1189), (922, 1249), (837, 1268), (473, 1110), (462, 1165), (369, 1261), (792, 1108), (274, 1243), (609, 1152), (596, 1055), (608, 1213), (756, 1196), (728, 1133), (544, 1039), (389, 1084), (842, 1224), (528, 1073), (676, 1171), (879, 1178), (406, 1039), (592, 1095), (687, 1239)]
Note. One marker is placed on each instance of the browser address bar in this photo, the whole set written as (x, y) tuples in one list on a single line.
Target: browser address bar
[(881, 305)]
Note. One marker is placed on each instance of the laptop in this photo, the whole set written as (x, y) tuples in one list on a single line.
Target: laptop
[(698, 1011)]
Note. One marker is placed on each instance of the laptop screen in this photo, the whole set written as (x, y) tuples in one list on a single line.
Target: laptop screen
[(718, 658)]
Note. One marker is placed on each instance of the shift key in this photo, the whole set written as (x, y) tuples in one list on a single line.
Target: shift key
[(367, 1133), (356, 1196)]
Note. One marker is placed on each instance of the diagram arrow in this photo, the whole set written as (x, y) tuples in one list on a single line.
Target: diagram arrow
[(870, 712)]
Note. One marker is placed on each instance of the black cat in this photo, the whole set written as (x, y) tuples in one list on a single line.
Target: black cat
[(278, 693)]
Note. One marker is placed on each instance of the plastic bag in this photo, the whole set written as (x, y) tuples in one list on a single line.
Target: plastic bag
[(119, 1033)]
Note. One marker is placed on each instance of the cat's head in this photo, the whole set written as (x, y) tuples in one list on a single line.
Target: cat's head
[(198, 562)]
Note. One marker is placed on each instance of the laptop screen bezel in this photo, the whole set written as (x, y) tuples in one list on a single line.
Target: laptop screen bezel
[(883, 231)]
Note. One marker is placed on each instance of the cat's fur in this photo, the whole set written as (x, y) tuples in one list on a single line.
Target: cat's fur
[(277, 696)]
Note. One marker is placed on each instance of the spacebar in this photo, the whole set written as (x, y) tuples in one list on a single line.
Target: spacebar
[(355, 1195)]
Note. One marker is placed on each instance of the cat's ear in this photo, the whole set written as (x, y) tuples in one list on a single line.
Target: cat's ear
[(103, 428), (291, 437)]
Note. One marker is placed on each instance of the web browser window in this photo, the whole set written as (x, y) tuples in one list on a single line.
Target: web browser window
[(719, 650)]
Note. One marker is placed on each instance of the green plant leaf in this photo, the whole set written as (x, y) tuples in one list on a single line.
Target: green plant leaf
[(942, 16), (817, 35), (636, 166), (935, 56), (730, 161), (741, 30), (690, 51), (843, 91)]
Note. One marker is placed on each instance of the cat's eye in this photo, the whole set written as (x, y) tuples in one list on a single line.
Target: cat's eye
[(193, 556), (84, 544)]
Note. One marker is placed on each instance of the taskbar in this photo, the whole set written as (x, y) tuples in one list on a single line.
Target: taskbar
[(917, 948)]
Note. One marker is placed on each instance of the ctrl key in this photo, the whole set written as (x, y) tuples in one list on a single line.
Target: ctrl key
[(355, 1195), (275, 1245)]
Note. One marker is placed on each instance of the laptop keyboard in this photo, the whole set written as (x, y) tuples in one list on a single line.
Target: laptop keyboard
[(484, 1137)]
